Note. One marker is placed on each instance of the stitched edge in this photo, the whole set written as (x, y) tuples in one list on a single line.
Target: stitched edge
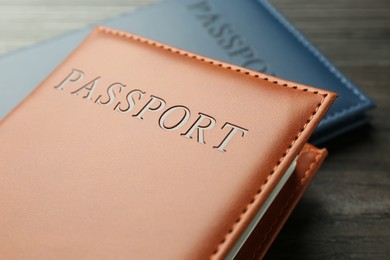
[(297, 189), (321, 58), (238, 70), (341, 112), (258, 192), (203, 59)]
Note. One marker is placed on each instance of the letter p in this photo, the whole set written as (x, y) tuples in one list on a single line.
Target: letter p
[(74, 76)]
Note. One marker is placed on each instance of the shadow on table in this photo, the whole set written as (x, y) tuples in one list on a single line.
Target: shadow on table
[(295, 239), (357, 139)]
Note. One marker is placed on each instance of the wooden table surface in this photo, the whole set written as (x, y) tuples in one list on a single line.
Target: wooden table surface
[(345, 214)]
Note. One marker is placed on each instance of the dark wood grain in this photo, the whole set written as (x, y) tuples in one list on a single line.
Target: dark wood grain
[(345, 214)]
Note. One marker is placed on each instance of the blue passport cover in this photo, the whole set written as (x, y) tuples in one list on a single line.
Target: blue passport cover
[(249, 33)]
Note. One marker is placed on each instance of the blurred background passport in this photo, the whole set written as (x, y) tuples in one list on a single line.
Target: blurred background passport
[(250, 33)]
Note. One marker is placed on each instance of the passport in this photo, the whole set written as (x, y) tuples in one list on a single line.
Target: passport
[(249, 33), (134, 149)]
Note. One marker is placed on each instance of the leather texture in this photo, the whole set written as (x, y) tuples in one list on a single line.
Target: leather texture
[(80, 179), (247, 33), (258, 243)]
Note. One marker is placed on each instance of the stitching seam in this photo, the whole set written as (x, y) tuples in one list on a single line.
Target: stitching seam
[(258, 192), (242, 71), (321, 58), (302, 180), (341, 112), (206, 60)]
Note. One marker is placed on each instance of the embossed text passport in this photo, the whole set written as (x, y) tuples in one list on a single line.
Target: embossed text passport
[(248, 33), (132, 149)]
